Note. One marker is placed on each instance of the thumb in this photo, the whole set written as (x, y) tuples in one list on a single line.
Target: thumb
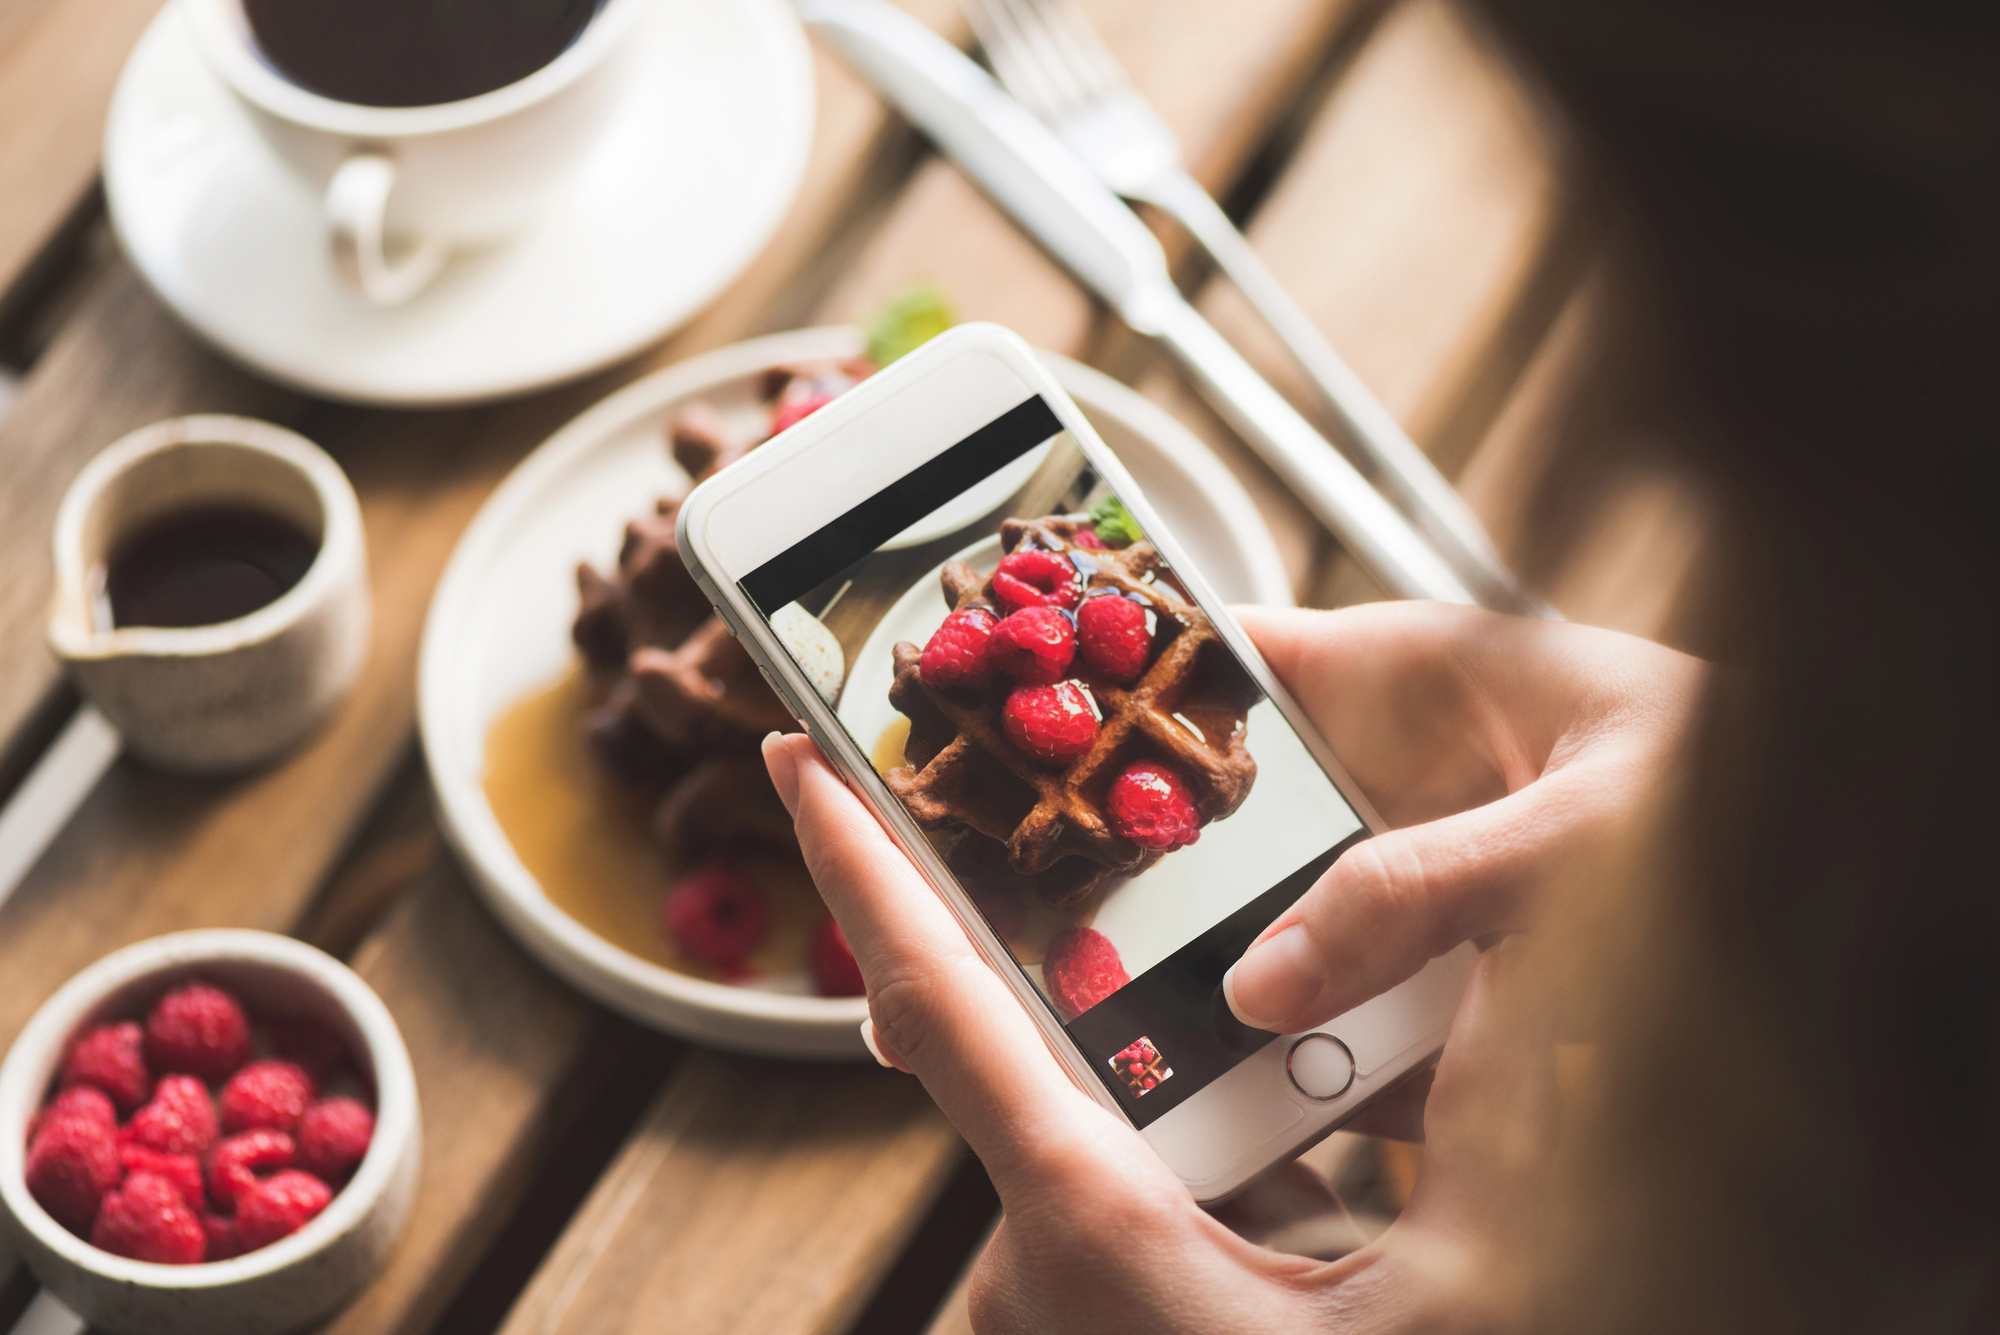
[(1394, 902)]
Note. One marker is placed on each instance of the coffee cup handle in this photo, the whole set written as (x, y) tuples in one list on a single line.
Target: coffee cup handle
[(357, 204)]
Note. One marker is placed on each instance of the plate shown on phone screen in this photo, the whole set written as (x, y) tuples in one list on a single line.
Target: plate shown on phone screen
[(499, 630)]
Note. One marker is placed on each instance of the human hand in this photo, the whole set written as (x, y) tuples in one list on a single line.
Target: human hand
[(1098, 1234), (1500, 749)]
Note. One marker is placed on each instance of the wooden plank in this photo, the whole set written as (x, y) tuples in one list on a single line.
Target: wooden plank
[(1581, 490), (58, 63), (954, 1314), (1413, 221), (1413, 217), (1219, 76), (792, 1188), (492, 1037)]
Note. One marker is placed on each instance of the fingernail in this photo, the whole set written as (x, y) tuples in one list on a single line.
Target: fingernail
[(868, 1038), (784, 771), (1274, 978)]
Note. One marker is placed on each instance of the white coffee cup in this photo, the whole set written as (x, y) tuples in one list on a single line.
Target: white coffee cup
[(403, 187)]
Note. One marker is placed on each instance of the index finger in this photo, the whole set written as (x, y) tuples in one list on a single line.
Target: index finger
[(930, 992)]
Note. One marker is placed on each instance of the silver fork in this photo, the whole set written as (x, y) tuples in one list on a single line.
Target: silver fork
[(1051, 60)]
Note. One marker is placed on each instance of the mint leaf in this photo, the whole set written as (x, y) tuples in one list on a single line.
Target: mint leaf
[(1115, 525), (915, 316)]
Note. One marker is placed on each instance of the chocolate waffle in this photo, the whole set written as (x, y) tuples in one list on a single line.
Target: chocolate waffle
[(1187, 709), (681, 706)]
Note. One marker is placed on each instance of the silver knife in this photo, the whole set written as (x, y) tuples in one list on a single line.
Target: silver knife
[(1058, 200)]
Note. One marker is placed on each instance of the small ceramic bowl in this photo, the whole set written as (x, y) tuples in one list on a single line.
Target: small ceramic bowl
[(292, 1283), (213, 699)]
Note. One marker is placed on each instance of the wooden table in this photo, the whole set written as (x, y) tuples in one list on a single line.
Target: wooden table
[(582, 1174)]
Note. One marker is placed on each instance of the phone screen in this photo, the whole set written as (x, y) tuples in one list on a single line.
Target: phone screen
[(1035, 684)]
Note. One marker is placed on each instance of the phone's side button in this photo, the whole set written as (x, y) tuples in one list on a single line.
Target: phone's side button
[(778, 688), (1320, 1066), (790, 702)]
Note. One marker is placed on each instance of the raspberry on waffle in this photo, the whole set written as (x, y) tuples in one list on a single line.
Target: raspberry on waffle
[(1185, 710)]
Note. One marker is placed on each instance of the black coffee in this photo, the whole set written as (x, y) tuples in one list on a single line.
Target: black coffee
[(204, 565), (413, 53)]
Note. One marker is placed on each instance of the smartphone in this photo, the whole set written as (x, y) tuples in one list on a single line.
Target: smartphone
[(967, 601)]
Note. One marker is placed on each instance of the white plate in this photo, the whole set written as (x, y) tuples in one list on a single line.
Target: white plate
[(681, 192), (499, 627)]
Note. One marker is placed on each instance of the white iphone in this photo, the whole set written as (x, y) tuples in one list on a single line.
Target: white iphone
[(967, 601)]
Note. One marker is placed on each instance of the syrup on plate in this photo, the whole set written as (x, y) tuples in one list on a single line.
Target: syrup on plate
[(584, 838)]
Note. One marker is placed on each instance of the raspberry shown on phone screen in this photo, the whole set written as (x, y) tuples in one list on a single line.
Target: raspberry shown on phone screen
[(1141, 1067)]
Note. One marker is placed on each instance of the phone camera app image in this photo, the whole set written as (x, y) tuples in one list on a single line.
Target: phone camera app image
[(1070, 729), (1141, 1067)]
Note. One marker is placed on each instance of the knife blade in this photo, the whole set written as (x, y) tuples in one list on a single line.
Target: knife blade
[(1053, 196)]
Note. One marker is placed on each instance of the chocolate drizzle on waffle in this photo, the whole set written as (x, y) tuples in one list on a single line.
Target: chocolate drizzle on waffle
[(1187, 709)]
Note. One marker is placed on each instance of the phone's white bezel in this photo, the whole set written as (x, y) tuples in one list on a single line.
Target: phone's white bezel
[(851, 449)]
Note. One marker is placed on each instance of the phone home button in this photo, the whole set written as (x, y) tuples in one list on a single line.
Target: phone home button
[(1321, 1066)]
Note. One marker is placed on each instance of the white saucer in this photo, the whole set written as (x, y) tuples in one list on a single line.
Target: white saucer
[(688, 182), (499, 628)]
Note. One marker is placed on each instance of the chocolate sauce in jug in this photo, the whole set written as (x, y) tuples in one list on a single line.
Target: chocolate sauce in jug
[(204, 565), (413, 53)]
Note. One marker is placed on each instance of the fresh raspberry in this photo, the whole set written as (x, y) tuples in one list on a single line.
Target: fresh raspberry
[(1056, 723), (1038, 579), (957, 652), (1133, 1060), (179, 1120), (333, 1138), (1149, 805), (791, 409), (183, 1170), (1113, 635), (198, 1029), (1087, 537), (278, 1207), (717, 916), (240, 1162), (310, 1045), (1140, 1050), (1034, 646), (109, 1058), (220, 1229), (267, 1093), (147, 1220), (72, 1162), (92, 1105), (1081, 968), (833, 968), (85, 1101)]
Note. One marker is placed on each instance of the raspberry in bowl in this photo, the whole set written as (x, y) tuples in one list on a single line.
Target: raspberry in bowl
[(209, 1131)]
